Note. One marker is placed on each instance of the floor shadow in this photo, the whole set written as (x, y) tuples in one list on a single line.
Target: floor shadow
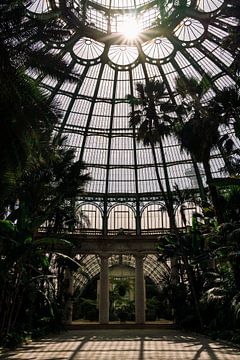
[(141, 344)]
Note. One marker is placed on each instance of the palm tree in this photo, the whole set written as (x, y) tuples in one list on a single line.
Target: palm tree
[(20, 38), (200, 133), (26, 277), (27, 119), (43, 188), (37, 171), (47, 186), (153, 124), (25, 110), (226, 105)]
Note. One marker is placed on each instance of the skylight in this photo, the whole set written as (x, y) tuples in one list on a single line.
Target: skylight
[(128, 26), (116, 44)]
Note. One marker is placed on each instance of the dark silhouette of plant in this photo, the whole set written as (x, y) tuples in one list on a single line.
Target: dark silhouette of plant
[(26, 115), (153, 123), (200, 132), (20, 41), (43, 188)]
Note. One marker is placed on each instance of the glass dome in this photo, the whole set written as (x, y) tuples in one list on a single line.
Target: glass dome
[(174, 39)]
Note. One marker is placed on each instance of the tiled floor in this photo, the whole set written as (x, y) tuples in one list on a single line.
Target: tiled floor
[(144, 344)]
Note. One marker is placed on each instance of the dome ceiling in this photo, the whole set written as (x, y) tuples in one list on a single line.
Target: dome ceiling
[(172, 41)]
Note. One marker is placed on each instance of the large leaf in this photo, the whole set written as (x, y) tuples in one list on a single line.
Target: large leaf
[(52, 243), (7, 226)]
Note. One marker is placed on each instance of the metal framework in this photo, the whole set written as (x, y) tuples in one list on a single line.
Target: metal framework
[(173, 41), (124, 203)]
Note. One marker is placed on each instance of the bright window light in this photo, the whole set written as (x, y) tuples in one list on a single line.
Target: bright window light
[(129, 27)]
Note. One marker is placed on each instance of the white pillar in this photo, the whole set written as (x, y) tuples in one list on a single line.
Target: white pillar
[(104, 292), (139, 291), (68, 293)]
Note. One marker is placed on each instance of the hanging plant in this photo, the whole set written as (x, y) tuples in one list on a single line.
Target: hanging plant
[(121, 287)]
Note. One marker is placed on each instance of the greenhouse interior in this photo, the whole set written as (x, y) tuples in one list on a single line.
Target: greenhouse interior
[(120, 166)]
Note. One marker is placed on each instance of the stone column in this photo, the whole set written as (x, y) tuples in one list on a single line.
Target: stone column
[(139, 291), (104, 292), (68, 280)]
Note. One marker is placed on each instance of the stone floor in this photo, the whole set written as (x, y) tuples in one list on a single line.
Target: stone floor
[(142, 344)]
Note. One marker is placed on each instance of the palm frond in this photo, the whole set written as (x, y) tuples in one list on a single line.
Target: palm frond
[(215, 295), (140, 90), (133, 100), (135, 118)]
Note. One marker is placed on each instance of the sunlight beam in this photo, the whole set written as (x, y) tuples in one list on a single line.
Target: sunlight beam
[(129, 27)]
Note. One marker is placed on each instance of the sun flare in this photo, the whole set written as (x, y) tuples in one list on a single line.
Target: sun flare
[(129, 28)]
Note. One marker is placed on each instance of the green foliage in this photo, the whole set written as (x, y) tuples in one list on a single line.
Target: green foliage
[(120, 305), (152, 308), (27, 116), (199, 134), (152, 117), (125, 309), (153, 122), (18, 29), (121, 288), (15, 338), (88, 309), (27, 297), (46, 179), (210, 253)]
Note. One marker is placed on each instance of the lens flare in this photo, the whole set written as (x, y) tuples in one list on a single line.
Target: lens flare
[(129, 28)]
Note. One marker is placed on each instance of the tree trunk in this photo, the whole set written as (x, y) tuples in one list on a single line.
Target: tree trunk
[(170, 211), (169, 204), (226, 161), (213, 192), (193, 289), (169, 193), (157, 174), (199, 180)]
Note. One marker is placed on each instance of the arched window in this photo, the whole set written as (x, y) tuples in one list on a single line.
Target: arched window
[(89, 218), (121, 218), (154, 217)]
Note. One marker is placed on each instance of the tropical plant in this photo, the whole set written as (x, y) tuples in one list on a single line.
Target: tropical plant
[(212, 252), (38, 175), (27, 119), (24, 276), (67, 217), (226, 105), (181, 198), (180, 6), (26, 114), (153, 123), (188, 249), (200, 132), (220, 292), (43, 188), (22, 37), (46, 186)]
